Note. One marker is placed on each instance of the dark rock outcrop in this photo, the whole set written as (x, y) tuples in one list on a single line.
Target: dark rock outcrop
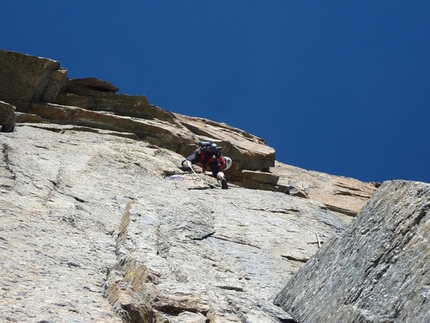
[(26, 79), (7, 117), (377, 271)]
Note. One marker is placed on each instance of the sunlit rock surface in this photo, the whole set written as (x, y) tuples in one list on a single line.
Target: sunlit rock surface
[(99, 224)]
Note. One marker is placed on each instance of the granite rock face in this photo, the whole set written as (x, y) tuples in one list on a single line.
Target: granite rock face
[(377, 271), (42, 92), (99, 224), (99, 227)]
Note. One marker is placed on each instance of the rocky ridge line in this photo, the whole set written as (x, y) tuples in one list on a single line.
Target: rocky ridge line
[(42, 92)]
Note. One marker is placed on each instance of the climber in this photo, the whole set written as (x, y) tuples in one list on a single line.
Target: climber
[(209, 154)]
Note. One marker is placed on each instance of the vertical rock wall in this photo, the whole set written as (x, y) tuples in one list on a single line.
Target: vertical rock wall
[(378, 271)]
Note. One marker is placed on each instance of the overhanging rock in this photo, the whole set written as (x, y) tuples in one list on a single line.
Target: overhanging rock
[(160, 133)]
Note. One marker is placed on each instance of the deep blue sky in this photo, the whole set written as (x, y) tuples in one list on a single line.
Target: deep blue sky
[(341, 87)]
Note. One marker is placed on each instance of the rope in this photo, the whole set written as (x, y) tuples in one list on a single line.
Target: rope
[(197, 177)]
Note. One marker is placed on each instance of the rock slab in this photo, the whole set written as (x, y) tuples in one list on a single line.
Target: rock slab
[(92, 230), (377, 271)]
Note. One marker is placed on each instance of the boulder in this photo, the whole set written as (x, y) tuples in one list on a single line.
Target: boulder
[(376, 271), (7, 117), (26, 78)]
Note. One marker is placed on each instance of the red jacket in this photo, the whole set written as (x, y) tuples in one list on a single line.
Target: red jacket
[(206, 159)]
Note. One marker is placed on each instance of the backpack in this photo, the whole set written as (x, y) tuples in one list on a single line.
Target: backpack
[(208, 147)]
